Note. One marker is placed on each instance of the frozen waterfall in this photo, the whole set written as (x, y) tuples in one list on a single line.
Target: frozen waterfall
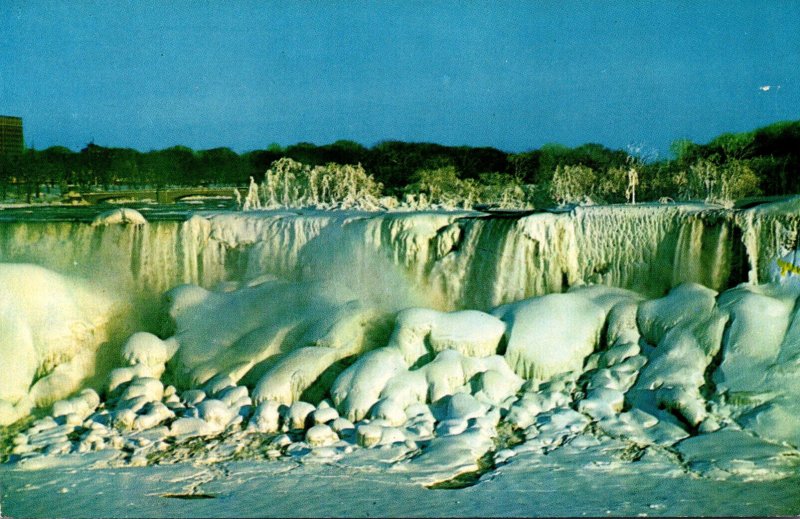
[(356, 329)]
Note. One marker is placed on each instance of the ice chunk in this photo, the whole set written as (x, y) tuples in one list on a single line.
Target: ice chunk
[(193, 396), (187, 427), (619, 353), (736, 453), (233, 396), (218, 384), (622, 326), (293, 374), (471, 332), (324, 415), (495, 386), (602, 402), (150, 388), (145, 348), (154, 414), (407, 388), (446, 375), (463, 406), (122, 376), (688, 303), (448, 456), (265, 417), (82, 404), (369, 435), (777, 420), (759, 323), (688, 330), (390, 410), (341, 425), (297, 414), (321, 435), (215, 412), (359, 387), (550, 334)]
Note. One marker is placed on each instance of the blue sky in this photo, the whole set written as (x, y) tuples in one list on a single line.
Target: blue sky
[(513, 75)]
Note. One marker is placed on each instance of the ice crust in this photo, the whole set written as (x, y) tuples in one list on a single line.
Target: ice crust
[(401, 334)]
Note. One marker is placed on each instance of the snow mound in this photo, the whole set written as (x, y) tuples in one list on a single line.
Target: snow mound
[(550, 334), (419, 331), (122, 215)]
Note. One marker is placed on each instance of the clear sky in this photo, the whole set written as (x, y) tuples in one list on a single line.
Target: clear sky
[(513, 75)]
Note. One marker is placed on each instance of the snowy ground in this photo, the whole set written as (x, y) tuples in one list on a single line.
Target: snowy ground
[(566, 482)]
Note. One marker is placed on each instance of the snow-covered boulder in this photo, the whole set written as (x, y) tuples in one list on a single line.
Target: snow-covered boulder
[(321, 435), (266, 417), (551, 334), (146, 348), (470, 332), (359, 387)]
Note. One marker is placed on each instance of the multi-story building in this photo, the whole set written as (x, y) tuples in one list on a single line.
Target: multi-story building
[(11, 139)]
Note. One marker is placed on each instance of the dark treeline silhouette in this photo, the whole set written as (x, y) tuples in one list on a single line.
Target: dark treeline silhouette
[(770, 153)]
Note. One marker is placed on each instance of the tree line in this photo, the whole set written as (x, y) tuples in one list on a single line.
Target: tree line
[(733, 165)]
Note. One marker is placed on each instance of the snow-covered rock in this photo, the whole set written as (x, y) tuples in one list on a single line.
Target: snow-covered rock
[(551, 334)]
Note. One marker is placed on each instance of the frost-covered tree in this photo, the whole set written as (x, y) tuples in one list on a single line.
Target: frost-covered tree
[(504, 192), (443, 187), (288, 183), (718, 183), (573, 184)]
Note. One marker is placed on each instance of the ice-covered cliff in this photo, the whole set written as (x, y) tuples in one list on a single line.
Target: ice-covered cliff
[(455, 260)]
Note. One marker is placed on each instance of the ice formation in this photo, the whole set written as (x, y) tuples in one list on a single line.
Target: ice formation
[(551, 334), (456, 260), (442, 339), (122, 215), (291, 184), (51, 330)]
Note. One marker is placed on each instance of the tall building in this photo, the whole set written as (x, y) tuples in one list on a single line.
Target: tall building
[(11, 140)]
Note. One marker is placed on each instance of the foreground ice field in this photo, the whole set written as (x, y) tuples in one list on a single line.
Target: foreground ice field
[(624, 360)]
